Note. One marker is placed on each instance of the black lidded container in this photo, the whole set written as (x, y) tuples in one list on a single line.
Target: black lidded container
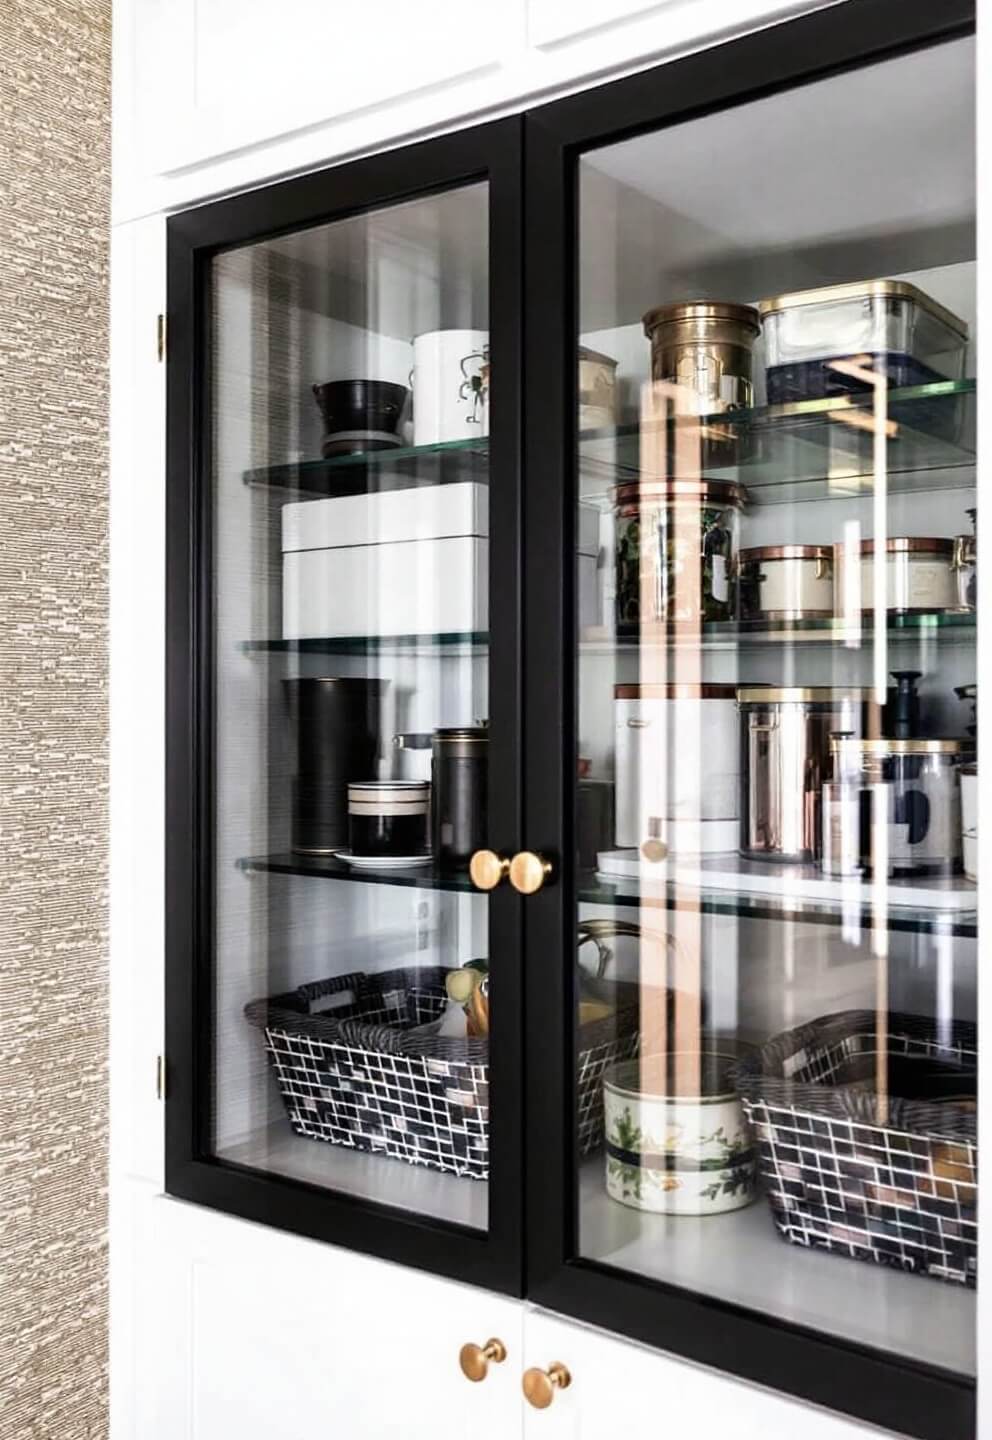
[(459, 809), (335, 724), (389, 818)]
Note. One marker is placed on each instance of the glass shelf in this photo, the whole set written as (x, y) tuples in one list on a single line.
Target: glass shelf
[(815, 449), (855, 912), (596, 889), (396, 469), (955, 627), (469, 642), (325, 867)]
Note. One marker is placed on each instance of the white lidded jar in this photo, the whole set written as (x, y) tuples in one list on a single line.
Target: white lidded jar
[(677, 767), (785, 582)]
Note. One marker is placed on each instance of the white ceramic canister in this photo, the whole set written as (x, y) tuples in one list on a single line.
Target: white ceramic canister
[(677, 1141), (597, 388), (786, 582), (450, 386), (921, 575), (969, 819), (677, 760)]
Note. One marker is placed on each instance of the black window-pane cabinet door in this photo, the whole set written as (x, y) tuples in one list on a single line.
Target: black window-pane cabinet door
[(771, 970), (344, 1029)]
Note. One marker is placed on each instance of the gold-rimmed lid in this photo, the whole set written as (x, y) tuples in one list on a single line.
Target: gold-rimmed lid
[(704, 310), (787, 552), (595, 357), (800, 694), (910, 544), (674, 691), (881, 747), (705, 492), (864, 290)]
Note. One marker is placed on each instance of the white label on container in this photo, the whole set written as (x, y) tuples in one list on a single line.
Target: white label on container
[(720, 589)]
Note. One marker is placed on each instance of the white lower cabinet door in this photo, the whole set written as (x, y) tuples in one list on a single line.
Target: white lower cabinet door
[(619, 1389), (271, 1337)]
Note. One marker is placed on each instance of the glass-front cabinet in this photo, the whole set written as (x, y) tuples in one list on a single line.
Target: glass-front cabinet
[(573, 791)]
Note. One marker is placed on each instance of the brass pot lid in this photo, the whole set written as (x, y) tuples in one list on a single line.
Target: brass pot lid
[(722, 493), (881, 747), (674, 691), (702, 311), (787, 552), (800, 694), (864, 290)]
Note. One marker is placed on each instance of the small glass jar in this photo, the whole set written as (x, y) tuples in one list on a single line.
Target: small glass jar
[(893, 807), (389, 819), (676, 546)]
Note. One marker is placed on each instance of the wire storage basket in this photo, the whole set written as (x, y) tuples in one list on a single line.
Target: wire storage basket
[(853, 1166), (350, 1071)]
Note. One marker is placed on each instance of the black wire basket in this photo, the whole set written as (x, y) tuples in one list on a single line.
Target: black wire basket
[(860, 1169), (350, 1071)]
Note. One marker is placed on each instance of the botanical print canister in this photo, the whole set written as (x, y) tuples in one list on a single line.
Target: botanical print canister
[(677, 1142), (450, 386)]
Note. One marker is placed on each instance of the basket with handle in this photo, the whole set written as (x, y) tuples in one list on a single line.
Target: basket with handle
[(352, 1070), (850, 1166)]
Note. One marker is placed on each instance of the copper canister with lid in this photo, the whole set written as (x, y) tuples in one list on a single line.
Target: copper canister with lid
[(785, 751)]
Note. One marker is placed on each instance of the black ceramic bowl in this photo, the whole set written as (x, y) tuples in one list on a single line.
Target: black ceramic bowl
[(360, 415)]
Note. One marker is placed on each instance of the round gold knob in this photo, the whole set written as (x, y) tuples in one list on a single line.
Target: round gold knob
[(528, 872), (540, 1385), (487, 869), (475, 1359)]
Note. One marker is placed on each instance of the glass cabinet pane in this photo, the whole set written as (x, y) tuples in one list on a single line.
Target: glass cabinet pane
[(349, 425), (775, 803)]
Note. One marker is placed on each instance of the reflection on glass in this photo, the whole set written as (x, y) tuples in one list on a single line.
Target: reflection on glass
[(351, 385), (775, 457)]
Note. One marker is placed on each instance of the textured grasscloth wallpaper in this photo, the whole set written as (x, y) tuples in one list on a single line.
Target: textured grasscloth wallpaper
[(54, 214)]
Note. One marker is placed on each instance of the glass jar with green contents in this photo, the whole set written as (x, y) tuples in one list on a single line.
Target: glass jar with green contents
[(676, 541)]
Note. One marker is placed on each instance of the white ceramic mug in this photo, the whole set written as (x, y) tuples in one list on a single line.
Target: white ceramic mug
[(450, 386)]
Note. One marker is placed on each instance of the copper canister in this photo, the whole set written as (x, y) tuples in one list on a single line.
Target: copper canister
[(706, 348)]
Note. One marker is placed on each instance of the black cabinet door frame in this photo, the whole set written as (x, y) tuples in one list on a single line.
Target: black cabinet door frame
[(487, 152), (876, 1386)]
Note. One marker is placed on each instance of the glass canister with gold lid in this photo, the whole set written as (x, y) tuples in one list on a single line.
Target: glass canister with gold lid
[(676, 543)]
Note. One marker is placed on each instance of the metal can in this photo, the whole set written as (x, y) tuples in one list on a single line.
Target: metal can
[(459, 794)]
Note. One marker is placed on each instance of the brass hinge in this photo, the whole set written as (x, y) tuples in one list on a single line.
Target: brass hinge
[(160, 1077), (160, 336)]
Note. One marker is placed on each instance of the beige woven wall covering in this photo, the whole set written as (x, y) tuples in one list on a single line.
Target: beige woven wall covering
[(54, 214)]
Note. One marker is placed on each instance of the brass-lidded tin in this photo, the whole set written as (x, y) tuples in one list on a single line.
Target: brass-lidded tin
[(704, 347), (864, 290), (785, 582)]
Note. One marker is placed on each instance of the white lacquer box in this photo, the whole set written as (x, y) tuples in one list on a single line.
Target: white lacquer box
[(398, 562)]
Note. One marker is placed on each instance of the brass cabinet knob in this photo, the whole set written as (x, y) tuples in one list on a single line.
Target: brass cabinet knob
[(528, 872), (540, 1385), (475, 1359), (487, 869)]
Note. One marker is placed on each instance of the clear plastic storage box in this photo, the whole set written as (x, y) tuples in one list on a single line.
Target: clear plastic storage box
[(822, 342)]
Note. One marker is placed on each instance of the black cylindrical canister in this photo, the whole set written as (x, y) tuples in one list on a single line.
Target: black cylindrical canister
[(459, 770), (335, 722), (389, 818)]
